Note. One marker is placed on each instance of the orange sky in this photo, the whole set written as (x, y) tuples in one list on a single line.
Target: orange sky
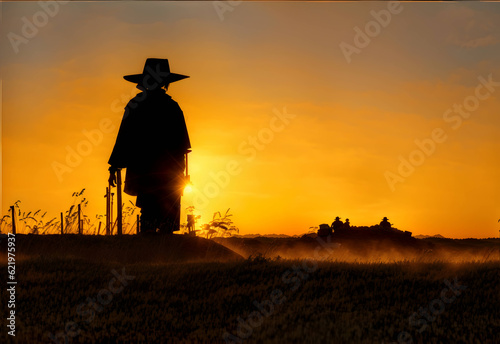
[(352, 121)]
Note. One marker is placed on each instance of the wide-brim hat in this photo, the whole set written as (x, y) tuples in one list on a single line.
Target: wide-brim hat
[(155, 71)]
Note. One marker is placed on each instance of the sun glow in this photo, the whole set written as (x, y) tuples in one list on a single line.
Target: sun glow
[(188, 188), (353, 122)]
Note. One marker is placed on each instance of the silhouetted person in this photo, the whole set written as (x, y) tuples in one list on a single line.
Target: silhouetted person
[(190, 224), (337, 224), (385, 224), (151, 144), (347, 225)]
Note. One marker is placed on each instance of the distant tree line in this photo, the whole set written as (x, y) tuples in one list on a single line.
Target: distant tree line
[(339, 226)]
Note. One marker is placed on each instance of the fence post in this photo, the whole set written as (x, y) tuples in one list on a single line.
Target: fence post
[(62, 224), (119, 200), (13, 219), (79, 219)]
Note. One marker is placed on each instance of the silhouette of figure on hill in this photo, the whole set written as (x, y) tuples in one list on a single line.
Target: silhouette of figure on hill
[(385, 224), (337, 224), (151, 144), (347, 225)]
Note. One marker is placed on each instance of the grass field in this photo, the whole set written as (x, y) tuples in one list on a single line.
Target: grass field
[(256, 301)]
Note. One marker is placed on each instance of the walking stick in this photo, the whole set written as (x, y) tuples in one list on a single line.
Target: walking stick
[(187, 166), (111, 224), (187, 177), (119, 200), (108, 208)]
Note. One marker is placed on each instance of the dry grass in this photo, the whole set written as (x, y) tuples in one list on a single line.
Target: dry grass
[(198, 302)]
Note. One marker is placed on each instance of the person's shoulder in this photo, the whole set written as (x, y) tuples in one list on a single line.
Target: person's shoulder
[(168, 97), (139, 97), (171, 101)]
